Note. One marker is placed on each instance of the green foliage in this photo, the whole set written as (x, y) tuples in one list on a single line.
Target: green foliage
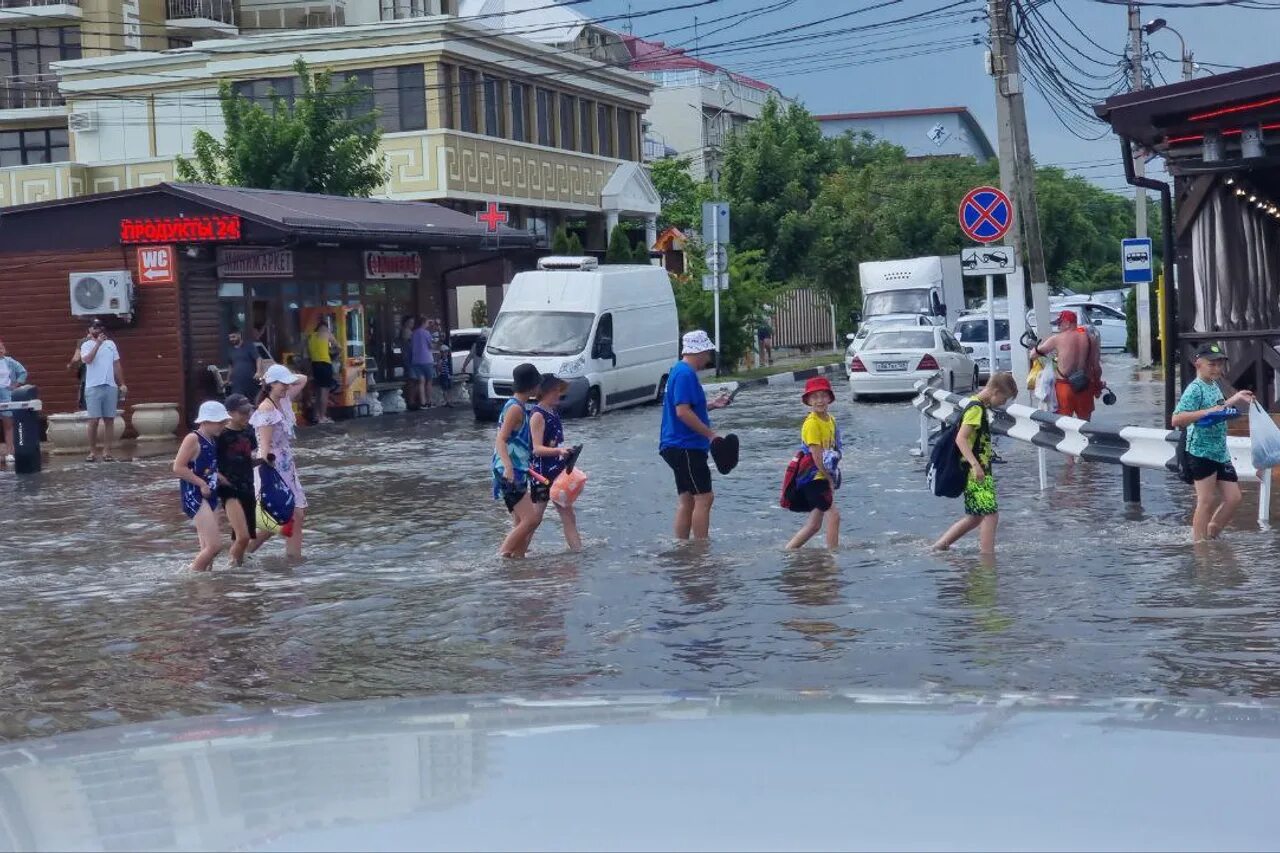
[(479, 313), (740, 305), (680, 194), (619, 251), (641, 251), (324, 142), (560, 241), (575, 249)]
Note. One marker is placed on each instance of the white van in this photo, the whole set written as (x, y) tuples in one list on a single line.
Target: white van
[(609, 331)]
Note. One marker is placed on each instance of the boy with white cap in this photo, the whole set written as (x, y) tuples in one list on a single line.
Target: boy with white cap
[(196, 467), (687, 435)]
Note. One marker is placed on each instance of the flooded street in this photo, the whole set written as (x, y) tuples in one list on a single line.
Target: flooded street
[(401, 594)]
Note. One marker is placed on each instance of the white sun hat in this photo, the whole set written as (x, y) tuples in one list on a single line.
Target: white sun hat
[(211, 411), (279, 373), (695, 342)]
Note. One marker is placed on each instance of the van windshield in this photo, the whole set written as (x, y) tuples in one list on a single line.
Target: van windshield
[(540, 333), (896, 302)]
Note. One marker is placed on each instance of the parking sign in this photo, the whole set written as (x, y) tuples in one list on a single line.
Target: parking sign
[(1136, 259)]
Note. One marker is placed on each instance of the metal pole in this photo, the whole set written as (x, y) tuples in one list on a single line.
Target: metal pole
[(716, 274), (1132, 484), (1042, 462), (924, 434), (991, 326), (1143, 295), (835, 341), (1264, 501)]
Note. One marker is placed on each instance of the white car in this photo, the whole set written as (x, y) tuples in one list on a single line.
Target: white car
[(971, 331), (892, 361), (870, 324), (1109, 323)]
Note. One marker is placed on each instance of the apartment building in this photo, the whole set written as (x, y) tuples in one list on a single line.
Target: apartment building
[(473, 109), (696, 104)]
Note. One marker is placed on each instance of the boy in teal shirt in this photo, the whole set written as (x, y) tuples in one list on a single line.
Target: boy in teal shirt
[(1210, 462)]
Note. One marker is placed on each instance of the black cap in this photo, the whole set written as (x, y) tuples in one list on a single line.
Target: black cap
[(1211, 352), (526, 378), (238, 403)]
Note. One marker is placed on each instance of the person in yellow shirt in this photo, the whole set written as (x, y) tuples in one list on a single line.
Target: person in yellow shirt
[(320, 347), (817, 482)]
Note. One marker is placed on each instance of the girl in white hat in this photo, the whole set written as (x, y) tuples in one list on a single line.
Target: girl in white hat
[(196, 467), (276, 428)]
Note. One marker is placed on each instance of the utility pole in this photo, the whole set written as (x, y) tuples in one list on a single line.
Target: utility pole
[(1017, 171), (1142, 301)]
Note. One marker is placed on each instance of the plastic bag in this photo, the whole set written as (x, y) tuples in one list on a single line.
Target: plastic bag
[(1033, 375), (1265, 438), (1046, 388)]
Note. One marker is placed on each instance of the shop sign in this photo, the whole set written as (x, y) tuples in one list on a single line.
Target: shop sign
[(157, 265), (254, 262), (180, 229), (392, 265)]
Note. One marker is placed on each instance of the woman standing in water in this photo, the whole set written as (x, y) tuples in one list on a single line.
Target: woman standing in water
[(276, 428)]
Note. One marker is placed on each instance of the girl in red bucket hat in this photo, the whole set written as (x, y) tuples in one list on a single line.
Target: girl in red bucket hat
[(814, 474)]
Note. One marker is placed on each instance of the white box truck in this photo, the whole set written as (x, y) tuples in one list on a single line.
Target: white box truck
[(610, 332), (910, 288)]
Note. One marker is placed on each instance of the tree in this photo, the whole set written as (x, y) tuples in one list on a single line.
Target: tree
[(479, 313), (642, 248), (560, 241), (740, 305), (325, 141), (680, 195), (575, 248), (619, 251)]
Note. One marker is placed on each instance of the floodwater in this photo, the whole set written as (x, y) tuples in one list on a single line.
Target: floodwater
[(401, 594)]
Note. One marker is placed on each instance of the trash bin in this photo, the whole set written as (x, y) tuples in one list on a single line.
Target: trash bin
[(25, 425)]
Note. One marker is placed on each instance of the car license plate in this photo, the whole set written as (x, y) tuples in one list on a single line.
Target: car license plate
[(981, 362), (891, 365)]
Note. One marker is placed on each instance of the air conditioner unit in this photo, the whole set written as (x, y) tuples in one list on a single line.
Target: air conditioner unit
[(82, 122), (101, 293)]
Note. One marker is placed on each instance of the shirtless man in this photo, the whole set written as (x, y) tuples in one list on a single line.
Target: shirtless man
[(1076, 349)]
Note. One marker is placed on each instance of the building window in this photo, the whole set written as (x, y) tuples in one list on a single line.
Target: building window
[(467, 100), (586, 110), (260, 91), (626, 135), (604, 129), (24, 147), (25, 55), (445, 94), (492, 106), (519, 112), (544, 117), (568, 120)]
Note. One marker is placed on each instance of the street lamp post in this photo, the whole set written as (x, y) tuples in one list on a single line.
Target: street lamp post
[(1188, 65)]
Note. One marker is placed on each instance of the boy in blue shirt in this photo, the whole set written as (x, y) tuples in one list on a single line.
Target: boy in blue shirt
[(687, 435), (1210, 461)]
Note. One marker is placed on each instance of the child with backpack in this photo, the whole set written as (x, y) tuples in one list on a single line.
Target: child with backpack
[(512, 456), (1208, 462), (814, 474), (973, 443)]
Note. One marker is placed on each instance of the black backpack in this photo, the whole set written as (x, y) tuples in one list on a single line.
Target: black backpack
[(947, 471)]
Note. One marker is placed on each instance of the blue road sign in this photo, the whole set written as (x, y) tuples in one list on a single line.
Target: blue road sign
[(985, 214), (1136, 259)]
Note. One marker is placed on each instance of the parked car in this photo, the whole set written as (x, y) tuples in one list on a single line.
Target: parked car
[(870, 324), (971, 331), (1108, 322), (893, 360), (610, 332), (460, 343)]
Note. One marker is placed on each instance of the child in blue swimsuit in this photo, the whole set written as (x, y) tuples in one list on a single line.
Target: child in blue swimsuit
[(196, 467), (512, 453), (549, 454)]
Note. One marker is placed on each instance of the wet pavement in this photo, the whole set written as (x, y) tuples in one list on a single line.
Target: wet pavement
[(401, 594)]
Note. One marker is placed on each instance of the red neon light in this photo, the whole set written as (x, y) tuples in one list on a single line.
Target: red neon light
[(1229, 110), (1233, 132), (180, 229)]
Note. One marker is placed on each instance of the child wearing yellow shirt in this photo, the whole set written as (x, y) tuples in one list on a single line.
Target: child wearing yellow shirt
[(815, 488)]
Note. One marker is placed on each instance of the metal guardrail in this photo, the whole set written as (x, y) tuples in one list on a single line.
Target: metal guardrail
[(223, 11), (22, 91), (26, 4), (1131, 447)]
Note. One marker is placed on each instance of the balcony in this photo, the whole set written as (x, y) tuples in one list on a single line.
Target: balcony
[(399, 10), (44, 10), (193, 18), (287, 15), (30, 91)]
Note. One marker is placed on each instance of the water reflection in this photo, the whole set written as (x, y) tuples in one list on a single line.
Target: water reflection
[(401, 594)]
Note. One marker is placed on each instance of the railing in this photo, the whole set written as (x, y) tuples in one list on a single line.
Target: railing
[(22, 91), (222, 11), (23, 4), (398, 10)]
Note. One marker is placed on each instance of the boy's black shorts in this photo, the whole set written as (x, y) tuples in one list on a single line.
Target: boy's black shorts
[(248, 502), (815, 494), (1203, 469), (693, 475), (512, 494)]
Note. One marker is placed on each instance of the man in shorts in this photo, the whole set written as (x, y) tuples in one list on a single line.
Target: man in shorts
[(686, 437), (103, 385)]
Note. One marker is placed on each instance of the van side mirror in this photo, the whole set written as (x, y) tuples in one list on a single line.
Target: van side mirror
[(855, 316)]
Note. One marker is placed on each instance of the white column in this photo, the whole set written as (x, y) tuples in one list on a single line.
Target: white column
[(650, 231), (611, 221)]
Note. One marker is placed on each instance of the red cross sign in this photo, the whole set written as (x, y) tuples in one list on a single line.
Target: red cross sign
[(985, 214), (493, 216)]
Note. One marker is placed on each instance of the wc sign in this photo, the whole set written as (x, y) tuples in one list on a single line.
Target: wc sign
[(156, 265)]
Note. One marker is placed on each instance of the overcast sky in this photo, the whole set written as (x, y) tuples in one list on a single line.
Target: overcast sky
[(946, 68)]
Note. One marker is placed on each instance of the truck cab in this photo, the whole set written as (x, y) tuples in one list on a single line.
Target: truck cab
[(903, 290)]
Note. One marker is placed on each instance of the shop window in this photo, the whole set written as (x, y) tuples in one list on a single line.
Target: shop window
[(604, 129), (24, 147), (586, 110), (568, 122), (544, 117), (333, 294), (519, 112), (467, 100)]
